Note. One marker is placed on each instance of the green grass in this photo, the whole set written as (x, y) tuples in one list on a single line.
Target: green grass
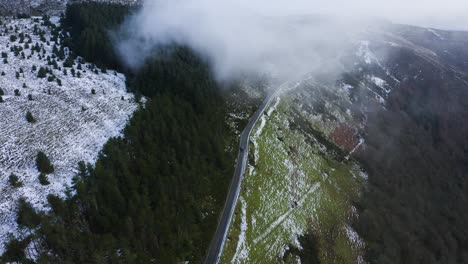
[(294, 187)]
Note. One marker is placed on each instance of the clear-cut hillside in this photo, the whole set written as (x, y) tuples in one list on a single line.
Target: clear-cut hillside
[(76, 112)]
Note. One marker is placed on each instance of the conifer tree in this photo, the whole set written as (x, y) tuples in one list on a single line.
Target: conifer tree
[(43, 179), (30, 118), (43, 163), (42, 73), (14, 181)]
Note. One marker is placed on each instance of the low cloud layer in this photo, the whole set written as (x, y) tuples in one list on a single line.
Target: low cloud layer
[(281, 37)]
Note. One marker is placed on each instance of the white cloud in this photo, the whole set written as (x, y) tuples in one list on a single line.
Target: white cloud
[(279, 36)]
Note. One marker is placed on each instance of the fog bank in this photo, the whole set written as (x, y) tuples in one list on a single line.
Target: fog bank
[(283, 38)]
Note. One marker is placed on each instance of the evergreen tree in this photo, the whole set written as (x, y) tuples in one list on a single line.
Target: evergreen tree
[(14, 181), (68, 62), (43, 179), (43, 163), (15, 250), (30, 118), (27, 216), (42, 73)]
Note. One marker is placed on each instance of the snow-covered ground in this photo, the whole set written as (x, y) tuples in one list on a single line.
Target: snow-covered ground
[(72, 124)]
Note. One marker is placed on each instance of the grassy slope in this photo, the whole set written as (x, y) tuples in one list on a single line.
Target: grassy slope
[(293, 187)]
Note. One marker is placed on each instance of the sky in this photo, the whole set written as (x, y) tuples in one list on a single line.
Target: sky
[(443, 14), (260, 36)]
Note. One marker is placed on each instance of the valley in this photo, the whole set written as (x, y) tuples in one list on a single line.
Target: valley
[(363, 160)]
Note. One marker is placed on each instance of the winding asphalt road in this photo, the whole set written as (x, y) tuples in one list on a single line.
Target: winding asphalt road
[(217, 244)]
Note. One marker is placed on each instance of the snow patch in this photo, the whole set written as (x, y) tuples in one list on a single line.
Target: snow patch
[(435, 33), (365, 53), (361, 141), (273, 108), (280, 219), (241, 248), (354, 237), (369, 57), (382, 84), (256, 135)]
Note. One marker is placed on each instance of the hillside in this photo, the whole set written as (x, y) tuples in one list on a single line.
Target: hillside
[(76, 108), (347, 169)]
